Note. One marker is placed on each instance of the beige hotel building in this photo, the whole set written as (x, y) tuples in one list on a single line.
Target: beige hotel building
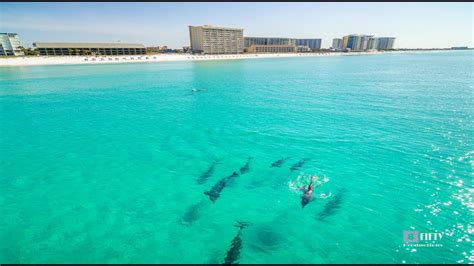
[(216, 40)]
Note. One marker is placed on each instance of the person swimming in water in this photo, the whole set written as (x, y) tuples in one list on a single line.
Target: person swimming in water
[(308, 192), (198, 90)]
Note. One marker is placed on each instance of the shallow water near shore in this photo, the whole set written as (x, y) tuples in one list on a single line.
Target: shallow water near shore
[(105, 163)]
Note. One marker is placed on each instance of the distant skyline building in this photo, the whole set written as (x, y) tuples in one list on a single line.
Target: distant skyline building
[(280, 45), (337, 43), (353, 42), (10, 44), (362, 42), (345, 40), (313, 44), (249, 41), (68, 49), (216, 40), (373, 43), (356, 42), (269, 45), (385, 43)]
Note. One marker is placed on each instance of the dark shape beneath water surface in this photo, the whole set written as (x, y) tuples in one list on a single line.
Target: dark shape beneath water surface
[(268, 237), (280, 162), (233, 254), (331, 207), (192, 213), (216, 190), (244, 169), (299, 164), (204, 176)]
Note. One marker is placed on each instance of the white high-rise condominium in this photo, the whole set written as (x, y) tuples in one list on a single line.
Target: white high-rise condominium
[(216, 40), (357, 42), (337, 43), (10, 44), (373, 43), (364, 42), (386, 43)]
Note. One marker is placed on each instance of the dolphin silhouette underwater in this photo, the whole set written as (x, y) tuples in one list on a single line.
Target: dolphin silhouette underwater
[(299, 164), (204, 176), (216, 190), (332, 205), (233, 254), (244, 169), (280, 162)]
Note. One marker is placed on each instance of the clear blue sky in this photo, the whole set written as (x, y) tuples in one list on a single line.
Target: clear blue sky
[(421, 25)]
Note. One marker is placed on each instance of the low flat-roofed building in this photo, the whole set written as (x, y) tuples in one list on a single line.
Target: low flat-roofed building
[(62, 48), (269, 45), (303, 49), (271, 49)]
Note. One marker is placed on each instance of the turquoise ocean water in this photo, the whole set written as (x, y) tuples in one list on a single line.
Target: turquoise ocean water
[(105, 163)]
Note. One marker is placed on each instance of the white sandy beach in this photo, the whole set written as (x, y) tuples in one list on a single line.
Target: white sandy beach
[(73, 60)]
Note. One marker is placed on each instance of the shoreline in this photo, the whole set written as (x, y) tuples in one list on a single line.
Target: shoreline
[(117, 59)]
